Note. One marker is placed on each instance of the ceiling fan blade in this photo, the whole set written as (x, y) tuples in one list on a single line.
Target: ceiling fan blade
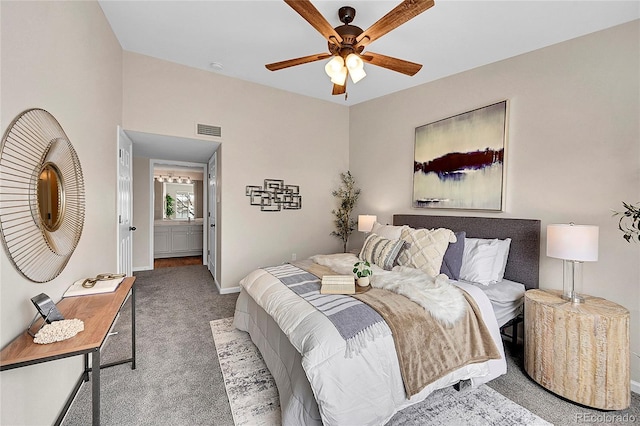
[(394, 64), (402, 13), (339, 90), (310, 14), (297, 61)]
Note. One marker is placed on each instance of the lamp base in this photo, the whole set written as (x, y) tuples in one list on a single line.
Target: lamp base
[(573, 298), (572, 281)]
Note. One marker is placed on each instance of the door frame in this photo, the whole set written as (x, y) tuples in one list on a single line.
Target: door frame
[(212, 192), (205, 201), (120, 136)]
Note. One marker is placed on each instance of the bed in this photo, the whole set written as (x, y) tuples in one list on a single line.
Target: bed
[(323, 380), (522, 271)]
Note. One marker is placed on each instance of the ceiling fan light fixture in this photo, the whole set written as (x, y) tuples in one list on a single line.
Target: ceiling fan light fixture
[(347, 41), (353, 62), (334, 66), (340, 77), (357, 75), (356, 67)]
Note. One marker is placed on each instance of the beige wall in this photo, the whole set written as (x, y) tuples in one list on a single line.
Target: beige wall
[(266, 134), (63, 57), (573, 149)]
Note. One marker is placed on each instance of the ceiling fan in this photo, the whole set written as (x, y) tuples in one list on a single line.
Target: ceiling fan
[(347, 42)]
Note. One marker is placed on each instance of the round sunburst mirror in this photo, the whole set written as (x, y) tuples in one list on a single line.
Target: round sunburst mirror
[(41, 195)]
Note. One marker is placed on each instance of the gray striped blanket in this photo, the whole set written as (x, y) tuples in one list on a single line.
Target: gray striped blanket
[(356, 322)]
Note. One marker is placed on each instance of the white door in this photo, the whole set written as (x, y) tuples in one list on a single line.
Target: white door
[(125, 204), (211, 222)]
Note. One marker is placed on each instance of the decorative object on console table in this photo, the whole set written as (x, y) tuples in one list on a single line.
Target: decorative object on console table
[(274, 196), (578, 351), (574, 244), (459, 161), (347, 195)]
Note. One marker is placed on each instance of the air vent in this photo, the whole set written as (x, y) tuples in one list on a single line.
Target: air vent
[(208, 130)]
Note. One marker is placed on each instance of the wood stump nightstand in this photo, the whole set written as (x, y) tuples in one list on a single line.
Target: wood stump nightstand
[(578, 351)]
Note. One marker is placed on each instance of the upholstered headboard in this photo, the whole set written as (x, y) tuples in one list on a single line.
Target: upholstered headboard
[(523, 263)]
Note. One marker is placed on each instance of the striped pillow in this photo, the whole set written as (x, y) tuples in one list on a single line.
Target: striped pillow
[(381, 251)]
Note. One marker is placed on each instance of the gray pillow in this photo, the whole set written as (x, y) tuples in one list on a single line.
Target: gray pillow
[(452, 261)]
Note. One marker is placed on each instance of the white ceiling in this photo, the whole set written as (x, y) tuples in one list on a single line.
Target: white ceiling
[(173, 149), (451, 37)]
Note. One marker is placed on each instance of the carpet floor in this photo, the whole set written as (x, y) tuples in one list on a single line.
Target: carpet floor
[(178, 380)]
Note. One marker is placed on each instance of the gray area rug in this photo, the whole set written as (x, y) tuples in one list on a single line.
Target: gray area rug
[(254, 397), (252, 392)]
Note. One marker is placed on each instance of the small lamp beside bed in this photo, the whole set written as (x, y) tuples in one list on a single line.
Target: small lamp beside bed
[(365, 222), (574, 244)]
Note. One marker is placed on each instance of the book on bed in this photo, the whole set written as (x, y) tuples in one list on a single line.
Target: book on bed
[(338, 284)]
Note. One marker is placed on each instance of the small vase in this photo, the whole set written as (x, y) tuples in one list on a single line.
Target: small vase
[(363, 281)]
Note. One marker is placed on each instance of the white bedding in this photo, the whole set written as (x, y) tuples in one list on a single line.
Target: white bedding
[(364, 390), (506, 297)]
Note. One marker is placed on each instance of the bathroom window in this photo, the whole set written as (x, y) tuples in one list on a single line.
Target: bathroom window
[(184, 205)]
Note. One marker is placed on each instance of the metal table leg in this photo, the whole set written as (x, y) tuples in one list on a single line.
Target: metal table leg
[(95, 386), (133, 327), (85, 375)]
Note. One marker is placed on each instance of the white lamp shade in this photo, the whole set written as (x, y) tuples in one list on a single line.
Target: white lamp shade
[(366, 221), (356, 67), (340, 77), (573, 242), (357, 75), (353, 62), (334, 66)]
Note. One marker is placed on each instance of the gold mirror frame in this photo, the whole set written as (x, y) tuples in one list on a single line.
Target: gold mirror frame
[(51, 202), (40, 176)]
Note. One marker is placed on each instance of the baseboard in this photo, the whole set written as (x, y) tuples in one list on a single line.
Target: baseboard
[(226, 290), (142, 268), (635, 387)]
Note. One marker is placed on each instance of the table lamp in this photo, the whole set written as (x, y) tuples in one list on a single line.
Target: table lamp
[(574, 244), (366, 221)]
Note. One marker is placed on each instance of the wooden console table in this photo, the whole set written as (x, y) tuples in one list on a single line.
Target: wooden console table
[(578, 351), (98, 312)]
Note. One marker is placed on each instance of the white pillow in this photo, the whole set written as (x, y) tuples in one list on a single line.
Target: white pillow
[(389, 232), (484, 260), (503, 255), (477, 261)]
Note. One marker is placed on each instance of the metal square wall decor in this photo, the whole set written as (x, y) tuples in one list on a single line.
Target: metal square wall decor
[(274, 196)]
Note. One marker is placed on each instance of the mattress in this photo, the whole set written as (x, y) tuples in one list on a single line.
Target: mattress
[(506, 297)]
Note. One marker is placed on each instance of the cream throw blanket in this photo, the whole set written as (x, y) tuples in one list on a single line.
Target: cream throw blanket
[(444, 301)]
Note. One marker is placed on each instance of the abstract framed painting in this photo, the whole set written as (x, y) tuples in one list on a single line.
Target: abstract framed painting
[(459, 162)]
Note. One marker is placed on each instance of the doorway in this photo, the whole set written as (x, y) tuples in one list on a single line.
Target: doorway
[(179, 206), (150, 150)]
